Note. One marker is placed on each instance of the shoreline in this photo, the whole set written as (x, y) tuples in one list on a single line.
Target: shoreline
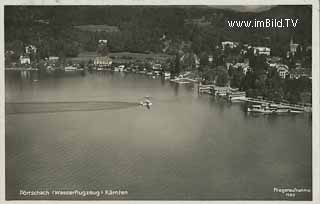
[(203, 89)]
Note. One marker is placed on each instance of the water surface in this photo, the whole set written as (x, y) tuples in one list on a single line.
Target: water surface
[(186, 147)]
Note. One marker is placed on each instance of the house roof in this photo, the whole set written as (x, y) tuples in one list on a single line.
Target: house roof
[(262, 48)]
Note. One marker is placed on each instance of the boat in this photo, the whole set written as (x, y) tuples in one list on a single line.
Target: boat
[(260, 109), (142, 72), (70, 68), (292, 110), (282, 109), (236, 96), (121, 68), (272, 109)]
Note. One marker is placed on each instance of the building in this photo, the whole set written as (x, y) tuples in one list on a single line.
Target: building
[(296, 73), (24, 60), (244, 66), (229, 44), (299, 72), (157, 67), (196, 61), (246, 69), (293, 46), (243, 51), (119, 68), (102, 61), (282, 70), (273, 59), (53, 58), (273, 62), (104, 42), (261, 51), (30, 49)]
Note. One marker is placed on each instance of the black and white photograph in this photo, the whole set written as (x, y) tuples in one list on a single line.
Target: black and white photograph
[(160, 102)]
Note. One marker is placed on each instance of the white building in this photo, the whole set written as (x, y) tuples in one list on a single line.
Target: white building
[(53, 58), (156, 67), (244, 66), (273, 59), (229, 44), (24, 60), (246, 69), (30, 49), (243, 51), (261, 51), (102, 61), (283, 70), (104, 42), (196, 60), (119, 68), (293, 47)]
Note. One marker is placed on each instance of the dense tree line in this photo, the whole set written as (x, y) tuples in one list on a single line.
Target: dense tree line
[(51, 28), (266, 82)]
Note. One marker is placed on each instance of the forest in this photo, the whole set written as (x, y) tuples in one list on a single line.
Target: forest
[(66, 31), (53, 29)]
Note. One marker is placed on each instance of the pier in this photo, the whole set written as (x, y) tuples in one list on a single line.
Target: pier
[(21, 69), (234, 94), (305, 107)]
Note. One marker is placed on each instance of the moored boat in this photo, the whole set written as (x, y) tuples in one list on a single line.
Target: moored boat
[(260, 109), (272, 109)]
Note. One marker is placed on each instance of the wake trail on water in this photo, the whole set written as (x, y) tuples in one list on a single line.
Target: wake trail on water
[(12, 108)]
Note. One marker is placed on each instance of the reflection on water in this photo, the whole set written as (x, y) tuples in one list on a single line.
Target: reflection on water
[(185, 147), (29, 75)]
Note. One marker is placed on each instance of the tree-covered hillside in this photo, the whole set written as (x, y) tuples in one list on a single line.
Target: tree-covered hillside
[(52, 29)]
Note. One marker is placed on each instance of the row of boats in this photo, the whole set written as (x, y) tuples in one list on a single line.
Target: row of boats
[(255, 105), (272, 109)]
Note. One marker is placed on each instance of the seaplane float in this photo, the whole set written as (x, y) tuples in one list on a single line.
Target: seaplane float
[(146, 102)]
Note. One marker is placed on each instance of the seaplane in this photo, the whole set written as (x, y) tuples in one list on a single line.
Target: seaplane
[(146, 102)]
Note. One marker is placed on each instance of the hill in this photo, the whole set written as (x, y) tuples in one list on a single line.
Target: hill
[(54, 29)]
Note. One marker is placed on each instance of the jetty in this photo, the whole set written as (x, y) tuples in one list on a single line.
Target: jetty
[(215, 90), (183, 80), (298, 107), (236, 95), (21, 69)]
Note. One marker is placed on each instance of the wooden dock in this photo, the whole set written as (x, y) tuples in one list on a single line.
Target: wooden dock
[(21, 69), (306, 108), (228, 92)]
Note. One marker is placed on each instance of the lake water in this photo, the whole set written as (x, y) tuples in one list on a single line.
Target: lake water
[(186, 147)]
